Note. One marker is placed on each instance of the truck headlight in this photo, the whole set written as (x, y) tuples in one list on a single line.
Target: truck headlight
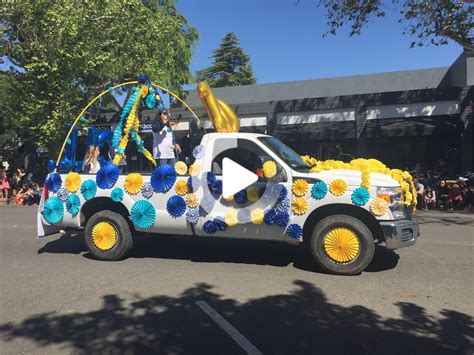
[(393, 196)]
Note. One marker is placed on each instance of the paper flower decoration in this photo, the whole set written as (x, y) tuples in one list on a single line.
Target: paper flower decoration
[(147, 190), (270, 216), (338, 187), (133, 183), (53, 182), (243, 215), (163, 178), (299, 206), (195, 169), (207, 202), (88, 189), (181, 187), (253, 193), (269, 169), (143, 214), (73, 203), (210, 177), (294, 231), (107, 176), (53, 210), (379, 206), (192, 200), (192, 215), (240, 197), (279, 191), (116, 194), (231, 218), (216, 187), (220, 224), (360, 196), (256, 216), (283, 205), (282, 218), (198, 151), (209, 227), (181, 168), (72, 182), (176, 206), (300, 187), (193, 183), (63, 194), (319, 190)]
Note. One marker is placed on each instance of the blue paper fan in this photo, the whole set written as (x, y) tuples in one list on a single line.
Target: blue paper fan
[(73, 203), (53, 182), (53, 210), (210, 178), (107, 176), (360, 196), (194, 183), (147, 190), (283, 205), (88, 189), (241, 197), (209, 227), (279, 191), (319, 190), (198, 151), (294, 231), (192, 215), (63, 194), (176, 206), (163, 178), (143, 214), (270, 217), (116, 194), (216, 187), (282, 218), (220, 224)]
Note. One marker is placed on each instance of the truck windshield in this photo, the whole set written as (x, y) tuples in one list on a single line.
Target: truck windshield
[(288, 155)]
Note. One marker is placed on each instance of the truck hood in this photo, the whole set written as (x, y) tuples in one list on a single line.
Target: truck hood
[(351, 177)]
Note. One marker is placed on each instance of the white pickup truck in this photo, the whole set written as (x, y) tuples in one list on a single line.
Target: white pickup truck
[(328, 210)]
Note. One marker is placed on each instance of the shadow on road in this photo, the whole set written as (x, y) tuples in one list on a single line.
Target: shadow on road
[(218, 250), (444, 218), (301, 322)]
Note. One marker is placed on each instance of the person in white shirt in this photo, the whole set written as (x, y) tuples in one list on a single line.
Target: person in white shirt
[(164, 146)]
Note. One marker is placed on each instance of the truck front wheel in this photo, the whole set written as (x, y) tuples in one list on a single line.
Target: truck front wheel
[(108, 236), (342, 244)]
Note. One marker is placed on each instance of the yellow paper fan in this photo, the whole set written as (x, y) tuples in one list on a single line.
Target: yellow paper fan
[(231, 218), (300, 187), (299, 206), (194, 169), (133, 183), (256, 216), (181, 187), (181, 168), (253, 194), (379, 206), (192, 200), (269, 169), (72, 182), (338, 187)]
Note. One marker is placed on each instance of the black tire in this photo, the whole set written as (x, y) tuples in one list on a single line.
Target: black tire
[(366, 242), (124, 242)]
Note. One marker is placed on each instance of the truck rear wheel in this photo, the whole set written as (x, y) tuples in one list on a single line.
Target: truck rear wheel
[(342, 244), (108, 236)]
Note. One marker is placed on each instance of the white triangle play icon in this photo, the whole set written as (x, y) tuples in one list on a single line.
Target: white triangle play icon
[(235, 177)]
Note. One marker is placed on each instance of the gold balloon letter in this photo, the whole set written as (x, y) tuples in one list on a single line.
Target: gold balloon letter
[(223, 118)]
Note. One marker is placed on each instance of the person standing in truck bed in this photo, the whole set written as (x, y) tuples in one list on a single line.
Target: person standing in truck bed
[(163, 141)]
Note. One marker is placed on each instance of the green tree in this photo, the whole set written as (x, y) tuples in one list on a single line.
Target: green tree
[(65, 52), (231, 66), (428, 22)]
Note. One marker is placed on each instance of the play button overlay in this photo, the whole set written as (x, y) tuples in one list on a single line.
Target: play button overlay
[(235, 177)]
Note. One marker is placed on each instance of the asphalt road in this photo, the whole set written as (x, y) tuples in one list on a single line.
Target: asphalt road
[(56, 299)]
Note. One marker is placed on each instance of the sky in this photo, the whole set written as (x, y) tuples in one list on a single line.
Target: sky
[(284, 40)]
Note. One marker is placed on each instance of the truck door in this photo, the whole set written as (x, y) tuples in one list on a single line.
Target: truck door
[(248, 207)]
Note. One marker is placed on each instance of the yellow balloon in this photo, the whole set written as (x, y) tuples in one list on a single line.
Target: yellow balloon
[(222, 116)]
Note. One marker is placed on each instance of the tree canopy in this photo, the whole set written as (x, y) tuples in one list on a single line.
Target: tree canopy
[(64, 52), (231, 66), (427, 22)]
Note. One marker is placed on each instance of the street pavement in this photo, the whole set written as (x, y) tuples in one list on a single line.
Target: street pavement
[(55, 298)]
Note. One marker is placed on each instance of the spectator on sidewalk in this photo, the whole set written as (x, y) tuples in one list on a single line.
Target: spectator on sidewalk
[(456, 197), (22, 195), (419, 192), (444, 201), (4, 184), (33, 195), (467, 195), (429, 199)]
